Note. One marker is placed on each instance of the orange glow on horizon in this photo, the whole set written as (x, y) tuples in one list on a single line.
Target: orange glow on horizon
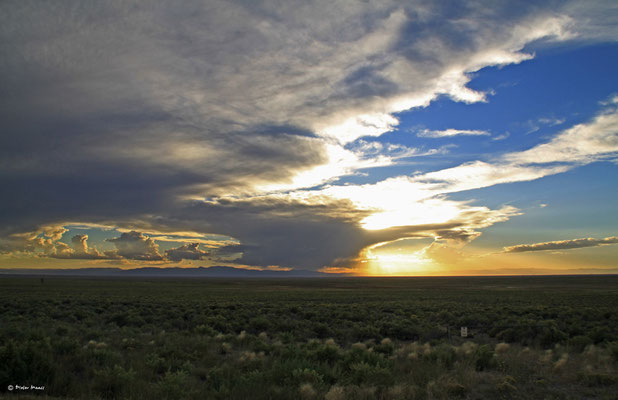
[(395, 263)]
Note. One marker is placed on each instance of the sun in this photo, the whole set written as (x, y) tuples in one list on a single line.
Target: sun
[(387, 263)]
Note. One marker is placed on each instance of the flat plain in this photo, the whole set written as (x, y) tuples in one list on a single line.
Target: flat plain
[(546, 337)]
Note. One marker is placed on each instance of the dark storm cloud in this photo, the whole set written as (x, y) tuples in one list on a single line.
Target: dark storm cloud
[(136, 246), (124, 112), (561, 244), (189, 251), (277, 231)]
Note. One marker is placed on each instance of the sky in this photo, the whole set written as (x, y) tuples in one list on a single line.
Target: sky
[(369, 138)]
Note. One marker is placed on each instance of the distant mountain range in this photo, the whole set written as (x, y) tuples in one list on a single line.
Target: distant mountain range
[(206, 272)]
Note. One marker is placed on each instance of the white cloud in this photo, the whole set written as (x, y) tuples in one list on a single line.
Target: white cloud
[(359, 126), (479, 174), (551, 121), (503, 136), (452, 132), (583, 143), (81, 250)]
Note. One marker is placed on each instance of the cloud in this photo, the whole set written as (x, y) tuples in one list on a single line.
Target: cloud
[(80, 243), (273, 225), (378, 150), (256, 95), (417, 200), (480, 174), (533, 126), (189, 251), (444, 254), (218, 117), (45, 242), (287, 229), (596, 20), (451, 132), (136, 246), (81, 251), (561, 245), (130, 245), (583, 143), (43, 239), (551, 121), (502, 136)]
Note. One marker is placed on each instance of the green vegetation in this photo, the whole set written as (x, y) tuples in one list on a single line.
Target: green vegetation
[(356, 338)]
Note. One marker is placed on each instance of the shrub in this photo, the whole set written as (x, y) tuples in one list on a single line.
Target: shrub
[(62, 331), (579, 343), (600, 334), (597, 379), (507, 385), (445, 355), (120, 319), (322, 330), (156, 363), (335, 393), (174, 385), (363, 373), (113, 383), (205, 330), (613, 350), (30, 361), (307, 391), (502, 347), (550, 335), (259, 324), (484, 358), (365, 332), (561, 362), (386, 346), (326, 353), (65, 346), (456, 389), (307, 375)]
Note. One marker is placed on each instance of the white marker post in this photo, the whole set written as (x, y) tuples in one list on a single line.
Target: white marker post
[(464, 331)]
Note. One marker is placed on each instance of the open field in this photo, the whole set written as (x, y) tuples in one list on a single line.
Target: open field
[(347, 338)]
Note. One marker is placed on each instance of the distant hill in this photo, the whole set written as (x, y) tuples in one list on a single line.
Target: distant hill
[(206, 272)]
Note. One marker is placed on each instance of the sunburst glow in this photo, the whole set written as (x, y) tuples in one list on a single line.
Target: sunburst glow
[(397, 264), (383, 259)]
